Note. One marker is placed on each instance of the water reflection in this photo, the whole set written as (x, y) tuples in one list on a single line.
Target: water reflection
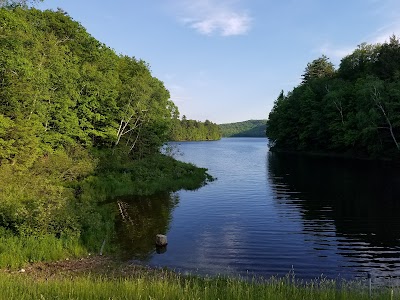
[(141, 219), (347, 205), (269, 213)]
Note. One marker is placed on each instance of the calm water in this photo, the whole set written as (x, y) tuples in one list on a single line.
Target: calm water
[(268, 214)]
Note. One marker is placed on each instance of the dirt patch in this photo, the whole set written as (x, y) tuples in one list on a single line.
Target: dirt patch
[(102, 266)]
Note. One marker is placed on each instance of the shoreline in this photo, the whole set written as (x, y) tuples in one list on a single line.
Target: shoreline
[(107, 277), (332, 155)]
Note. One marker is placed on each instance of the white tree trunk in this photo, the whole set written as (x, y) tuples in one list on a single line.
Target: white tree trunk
[(376, 97)]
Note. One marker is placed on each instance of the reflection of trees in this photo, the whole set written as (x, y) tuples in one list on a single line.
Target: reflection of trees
[(141, 218), (361, 198)]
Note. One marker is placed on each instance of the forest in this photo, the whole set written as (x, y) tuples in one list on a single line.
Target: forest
[(79, 125), (353, 110), (192, 130), (249, 128)]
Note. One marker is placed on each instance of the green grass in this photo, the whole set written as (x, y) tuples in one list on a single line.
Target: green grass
[(151, 175), (17, 251), (167, 285)]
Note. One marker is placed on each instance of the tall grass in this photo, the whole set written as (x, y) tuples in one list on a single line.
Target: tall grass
[(17, 251), (171, 286), (151, 175)]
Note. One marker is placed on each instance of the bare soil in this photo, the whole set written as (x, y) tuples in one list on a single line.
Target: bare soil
[(103, 266)]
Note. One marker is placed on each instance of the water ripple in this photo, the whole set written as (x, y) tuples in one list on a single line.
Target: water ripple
[(269, 213)]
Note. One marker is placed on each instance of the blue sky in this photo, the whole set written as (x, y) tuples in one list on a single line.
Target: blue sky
[(227, 60)]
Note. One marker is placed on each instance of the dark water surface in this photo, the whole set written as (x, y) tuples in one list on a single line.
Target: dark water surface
[(269, 213)]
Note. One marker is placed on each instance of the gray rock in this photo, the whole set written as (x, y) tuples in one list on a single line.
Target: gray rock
[(161, 240)]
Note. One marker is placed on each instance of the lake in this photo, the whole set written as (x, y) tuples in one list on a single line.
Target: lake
[(271, 214)]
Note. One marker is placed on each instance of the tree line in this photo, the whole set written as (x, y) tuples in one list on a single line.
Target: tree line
[(192, 130), (352, 110)]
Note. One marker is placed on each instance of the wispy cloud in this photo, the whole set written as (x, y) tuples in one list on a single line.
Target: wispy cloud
[(178, 93), (388, 12), (383, 34), (333, 52), (214, 17), (179, 88)]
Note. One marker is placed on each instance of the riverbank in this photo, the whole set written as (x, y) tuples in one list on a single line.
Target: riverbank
[(104, 277), (45, 218)]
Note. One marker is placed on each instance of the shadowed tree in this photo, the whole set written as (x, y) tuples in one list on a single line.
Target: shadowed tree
[(360, 62), (388, 59), (354, 111)]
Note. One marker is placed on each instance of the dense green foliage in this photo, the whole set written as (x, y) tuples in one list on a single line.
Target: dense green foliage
[(150, 284), (79, 124), (191, 130), (354, 110), (62, 88), (250, 128)]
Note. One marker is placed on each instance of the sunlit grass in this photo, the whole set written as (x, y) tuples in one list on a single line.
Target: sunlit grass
[(16, 251), (167, 285)]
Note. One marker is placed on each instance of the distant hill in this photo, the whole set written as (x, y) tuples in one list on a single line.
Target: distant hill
[(250, 128)]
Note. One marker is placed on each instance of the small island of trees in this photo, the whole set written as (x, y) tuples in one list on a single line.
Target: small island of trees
[(353, 110)]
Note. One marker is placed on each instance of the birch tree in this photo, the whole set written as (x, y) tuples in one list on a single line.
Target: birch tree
[(133, 100), (379, 101)]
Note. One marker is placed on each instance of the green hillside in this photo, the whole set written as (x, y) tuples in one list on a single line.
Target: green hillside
[(250, 128), (192, 130)]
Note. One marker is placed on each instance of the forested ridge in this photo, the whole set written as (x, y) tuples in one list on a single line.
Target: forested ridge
[(249, 128), (192, 130), (79, 124), (353, 110)]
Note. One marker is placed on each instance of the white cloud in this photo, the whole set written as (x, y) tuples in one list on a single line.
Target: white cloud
[(224, 23), (213, 17), (386, 11), (335, 54), (383, 34), (389, 13), (179, 87), (380, 36), (178, 93)]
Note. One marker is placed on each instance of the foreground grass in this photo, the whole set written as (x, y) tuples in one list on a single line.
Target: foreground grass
[(152, 284), (15, 252)]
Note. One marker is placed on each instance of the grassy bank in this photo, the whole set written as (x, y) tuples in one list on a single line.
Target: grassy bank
[(46, 217), (16, 251), (161, 284)]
